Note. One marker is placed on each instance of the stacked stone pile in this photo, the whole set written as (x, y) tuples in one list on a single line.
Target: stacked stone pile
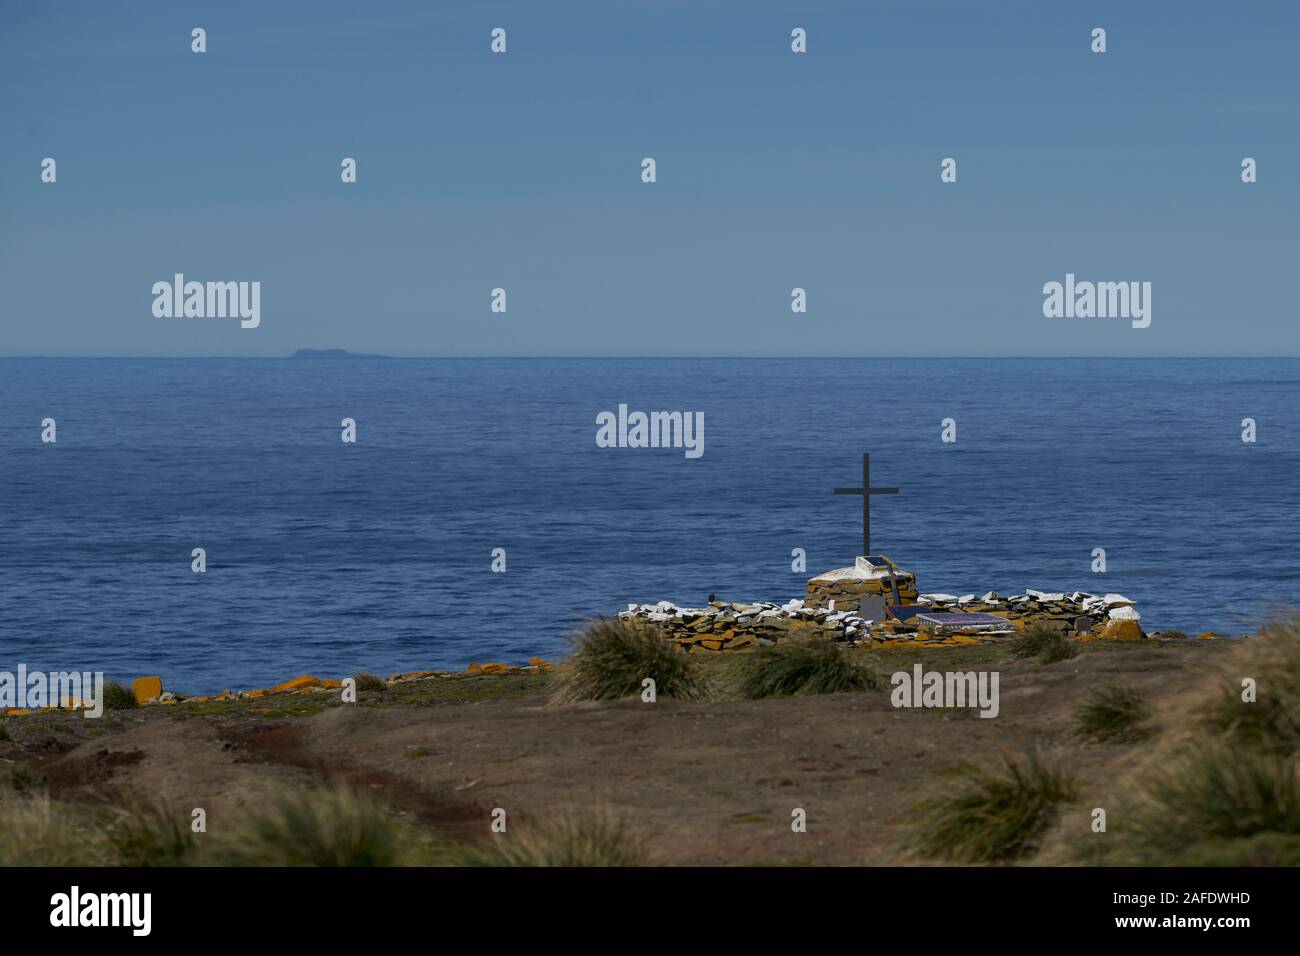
[(873, 600), (726, 625), (1077, 612), (845, 589), (723, 626)]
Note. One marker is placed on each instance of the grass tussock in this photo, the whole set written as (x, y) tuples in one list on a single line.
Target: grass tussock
[(997, 814), (118, 696), (1113, 714), (612, 657), (1271, 662), (22, 779), (590, 838), (1213, 805), (1045, 643), (325, 827), (34, 831), (1221, 785), (802, 666), (368, 683), (150, 833)]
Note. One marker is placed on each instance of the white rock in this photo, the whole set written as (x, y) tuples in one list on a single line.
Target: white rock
[(1111, 600), (937, 598), (1125, 612)]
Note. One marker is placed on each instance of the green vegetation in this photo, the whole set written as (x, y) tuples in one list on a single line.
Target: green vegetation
[(997, 814), (612, 657), (1044, 642), (325, 827), (802, 666), (575, 839), (1114, 713), (23, 778), (35, 832), (1222, 785), (118, 696), (150, 833), (368, 683)]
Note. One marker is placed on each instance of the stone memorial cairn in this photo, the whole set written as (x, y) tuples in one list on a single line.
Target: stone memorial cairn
[(875, 601)]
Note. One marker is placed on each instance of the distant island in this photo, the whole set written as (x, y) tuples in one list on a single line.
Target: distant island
[(334, 354)]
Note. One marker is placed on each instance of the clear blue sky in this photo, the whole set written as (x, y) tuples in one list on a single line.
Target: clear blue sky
[(775, 170)]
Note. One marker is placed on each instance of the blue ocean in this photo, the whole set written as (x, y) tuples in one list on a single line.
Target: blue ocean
[(329, 558)]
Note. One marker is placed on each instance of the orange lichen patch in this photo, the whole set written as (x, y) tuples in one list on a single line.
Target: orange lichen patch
[(329, 683), (254, 694), (477, 668), (1208, 636), (540, 663), (146, 688), (298, 683), (17, 712), (1121, 630)]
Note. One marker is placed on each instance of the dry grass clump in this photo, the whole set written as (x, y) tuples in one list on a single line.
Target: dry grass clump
[(144, 832), (1044, 642), (368, 683), (802, 666), (1221, 785), (325, 827), (588, 838), (34, 831), (612, 658), (1114, 713), (998, 814)]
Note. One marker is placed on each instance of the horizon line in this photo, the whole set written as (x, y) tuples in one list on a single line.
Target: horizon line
[(368, 357), (365, 356)]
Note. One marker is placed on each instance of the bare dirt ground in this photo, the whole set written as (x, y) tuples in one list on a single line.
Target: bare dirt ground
[(703, 783)]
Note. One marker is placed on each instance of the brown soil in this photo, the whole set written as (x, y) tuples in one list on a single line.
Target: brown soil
[(704, 783)]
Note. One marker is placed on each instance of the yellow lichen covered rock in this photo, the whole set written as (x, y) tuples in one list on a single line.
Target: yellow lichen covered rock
[(298, 683), (477, 668), (1122, 629), (146, 688)]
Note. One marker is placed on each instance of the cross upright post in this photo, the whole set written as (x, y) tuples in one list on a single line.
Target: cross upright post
[(866, 491)]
